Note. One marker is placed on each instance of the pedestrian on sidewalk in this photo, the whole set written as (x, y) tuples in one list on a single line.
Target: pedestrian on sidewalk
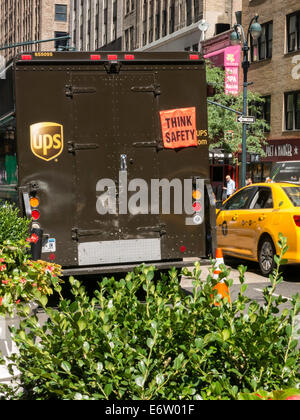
[(230, 186)]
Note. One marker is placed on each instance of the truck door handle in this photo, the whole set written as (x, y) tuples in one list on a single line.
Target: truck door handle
[(123, 167)]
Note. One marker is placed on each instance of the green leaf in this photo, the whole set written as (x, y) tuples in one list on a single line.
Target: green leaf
[(150, 343), (159, 379), (226, 334), (244, 288), (289, 330), (81, 325), (43, 300), (140, 381), (108, 389), (178, 361), (86, 347), (99, 367), (66, 366)]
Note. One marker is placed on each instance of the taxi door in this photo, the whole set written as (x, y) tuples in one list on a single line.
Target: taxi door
[(232, 237), (258, 217)]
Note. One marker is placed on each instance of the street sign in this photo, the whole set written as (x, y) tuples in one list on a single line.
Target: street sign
[(246, 119)]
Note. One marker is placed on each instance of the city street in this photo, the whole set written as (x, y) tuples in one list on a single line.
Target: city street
[(256, 282)]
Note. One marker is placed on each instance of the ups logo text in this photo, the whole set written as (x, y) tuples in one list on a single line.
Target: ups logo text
[(47, 140)]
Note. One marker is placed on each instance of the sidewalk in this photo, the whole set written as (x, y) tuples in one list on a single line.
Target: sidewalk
[(249, 276)]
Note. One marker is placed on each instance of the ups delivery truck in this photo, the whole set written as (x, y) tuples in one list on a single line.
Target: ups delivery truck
[(107, 153)]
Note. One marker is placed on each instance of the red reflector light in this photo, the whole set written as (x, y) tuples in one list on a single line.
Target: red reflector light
[(129, 57), (297, 220), (26, 57), (95, 57), (35, 214), (112, 57), (194, 57)]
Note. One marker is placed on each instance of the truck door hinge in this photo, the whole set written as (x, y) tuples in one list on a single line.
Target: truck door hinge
[(156, 144), (75, 147), (154, 88), (79, 233), (70, 90), (159, 229)]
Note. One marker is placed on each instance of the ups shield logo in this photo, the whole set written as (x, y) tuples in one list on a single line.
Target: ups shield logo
[(47, 140)]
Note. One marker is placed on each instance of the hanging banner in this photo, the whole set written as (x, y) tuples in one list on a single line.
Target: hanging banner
[(232, 63), (179, 128)]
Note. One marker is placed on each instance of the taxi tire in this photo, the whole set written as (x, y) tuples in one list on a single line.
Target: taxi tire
[(266, 253)]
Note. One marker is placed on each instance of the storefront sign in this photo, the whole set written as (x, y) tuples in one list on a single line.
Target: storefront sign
[(281, 150)]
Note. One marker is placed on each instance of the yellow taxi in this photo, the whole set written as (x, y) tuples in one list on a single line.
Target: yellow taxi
[(249, 223)]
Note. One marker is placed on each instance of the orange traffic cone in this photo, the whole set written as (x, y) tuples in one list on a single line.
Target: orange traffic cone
[(219, 257), (221, 286)]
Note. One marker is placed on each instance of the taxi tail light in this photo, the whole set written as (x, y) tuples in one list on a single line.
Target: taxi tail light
[(297, 220)]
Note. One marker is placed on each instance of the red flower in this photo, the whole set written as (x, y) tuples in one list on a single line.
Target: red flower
[(33, 239), (5, 282), (3, 267), (18, 301), (2, 260), (1, 299)]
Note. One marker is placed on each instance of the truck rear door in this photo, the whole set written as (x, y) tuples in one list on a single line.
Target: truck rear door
[(112, 144)]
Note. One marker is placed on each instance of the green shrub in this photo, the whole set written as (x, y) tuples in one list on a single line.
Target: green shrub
[(172, 346), (13, 227)]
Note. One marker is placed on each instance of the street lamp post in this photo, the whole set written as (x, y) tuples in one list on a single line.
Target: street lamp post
[(255, 31)]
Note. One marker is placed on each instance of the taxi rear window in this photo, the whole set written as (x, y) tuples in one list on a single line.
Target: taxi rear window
[(294, 195)]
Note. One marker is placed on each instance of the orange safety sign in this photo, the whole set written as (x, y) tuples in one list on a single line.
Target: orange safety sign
[(179, 128)]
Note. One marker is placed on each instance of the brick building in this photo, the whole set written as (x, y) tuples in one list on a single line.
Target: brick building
[(164, 25), (275, 71), (96, 24), (32, 20)]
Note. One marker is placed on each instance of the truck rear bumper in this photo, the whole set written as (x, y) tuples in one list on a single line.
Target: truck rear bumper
[(113, 269)]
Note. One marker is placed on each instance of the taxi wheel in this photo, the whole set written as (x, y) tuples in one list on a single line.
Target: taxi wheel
[(266, 255)]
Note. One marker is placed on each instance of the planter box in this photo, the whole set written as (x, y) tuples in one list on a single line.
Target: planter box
[(7, 345)]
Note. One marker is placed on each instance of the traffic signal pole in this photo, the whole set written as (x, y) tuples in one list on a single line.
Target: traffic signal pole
[(21, 44)]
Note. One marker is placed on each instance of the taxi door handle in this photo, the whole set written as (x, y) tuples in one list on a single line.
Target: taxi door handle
[(235, 217), (261, 218)]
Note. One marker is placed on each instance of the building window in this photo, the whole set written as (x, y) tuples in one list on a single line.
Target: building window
[(164, 19), (292, 111), (293, 32), (189, 15), (61, 12), (197, 11), (157, 20), (263, 47), (172, 17), (61, 44)]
